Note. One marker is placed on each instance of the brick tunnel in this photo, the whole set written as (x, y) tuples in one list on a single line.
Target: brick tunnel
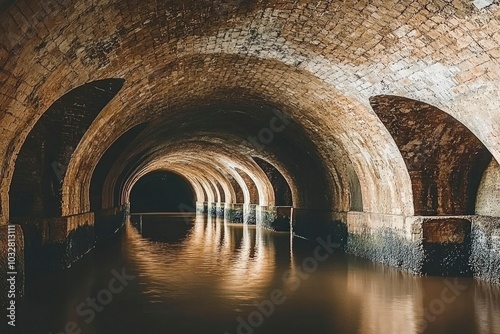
[(375, 122)]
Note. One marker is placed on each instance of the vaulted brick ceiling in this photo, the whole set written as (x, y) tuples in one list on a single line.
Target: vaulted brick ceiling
[(212, 71)]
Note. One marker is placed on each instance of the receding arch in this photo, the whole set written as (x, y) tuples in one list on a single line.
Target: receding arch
[(161, 191), (281, 187), (36, 186), (97, 194), (221, 192), (253, 191), (444, 158), (209, 177)]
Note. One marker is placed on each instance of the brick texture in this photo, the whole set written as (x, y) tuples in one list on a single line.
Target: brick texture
[(318, 61)]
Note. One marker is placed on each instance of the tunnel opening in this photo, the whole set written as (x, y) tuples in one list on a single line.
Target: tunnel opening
[(161, 191)]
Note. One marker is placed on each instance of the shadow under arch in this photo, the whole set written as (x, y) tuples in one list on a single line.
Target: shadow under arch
[(282, 190), (35, 193), (444, 158), (97, 197), (161, 191), (35, 190)]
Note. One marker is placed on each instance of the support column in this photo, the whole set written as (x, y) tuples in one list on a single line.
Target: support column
[(437, 245), (275, 218), (446, 244), (212, 209), (201, 207), (390, 239), (234, 213), (485, 248), (249, 214), (220, 210), (311, 224)]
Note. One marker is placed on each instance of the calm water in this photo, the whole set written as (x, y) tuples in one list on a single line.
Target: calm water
[(187, 275)]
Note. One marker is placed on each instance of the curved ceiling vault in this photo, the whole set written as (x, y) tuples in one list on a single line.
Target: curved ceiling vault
[(208, 93)]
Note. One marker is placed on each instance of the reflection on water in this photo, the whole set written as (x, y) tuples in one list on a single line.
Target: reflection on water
[(390, 301), (201, 275), (487, 308)]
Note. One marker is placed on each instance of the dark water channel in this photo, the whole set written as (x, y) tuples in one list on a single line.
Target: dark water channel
[(187, 275)]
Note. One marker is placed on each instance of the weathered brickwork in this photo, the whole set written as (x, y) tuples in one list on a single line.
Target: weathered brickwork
[(488, 195), (444, 159), (201, 78)]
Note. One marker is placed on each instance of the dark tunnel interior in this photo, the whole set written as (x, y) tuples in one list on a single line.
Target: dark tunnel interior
[(161, 192)]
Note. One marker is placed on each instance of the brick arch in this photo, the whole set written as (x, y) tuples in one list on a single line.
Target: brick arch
[(282, 190), (333, 148), (35, 190), (345, 55), (152, 144), (97, 197), (444, 158)]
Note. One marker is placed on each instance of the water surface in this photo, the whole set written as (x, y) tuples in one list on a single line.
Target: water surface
[(199, 275)]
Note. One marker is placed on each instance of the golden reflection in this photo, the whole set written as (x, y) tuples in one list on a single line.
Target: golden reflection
[(253, 264), (487, 308), (242, 256), (291, 278), (227, 241), (388, 303), (212, 276), (234, 265)]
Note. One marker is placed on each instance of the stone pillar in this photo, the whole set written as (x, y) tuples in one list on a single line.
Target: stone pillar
[(212, 209), (57, 242), (234, 213), (485, 248), (276, 218), (201, 207), (70, 238), (220, 210), (249, 214), (311, 224), (446, 244), (394, 240), (437, 245)]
